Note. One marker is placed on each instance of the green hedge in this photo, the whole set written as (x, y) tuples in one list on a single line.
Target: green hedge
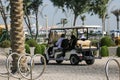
[(43, 47), (45, 44), (5, 44), (27, 48), (107, 41), (104, 51), (31, 42), (39, 49)]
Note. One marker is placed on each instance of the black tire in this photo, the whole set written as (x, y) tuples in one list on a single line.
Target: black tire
[(74, 60), (90, 62), (42, 61), (59, 61)]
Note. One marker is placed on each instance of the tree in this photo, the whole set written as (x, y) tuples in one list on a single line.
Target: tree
[(78, 7), (27, 10), (35, 4), (31, 7), (99, 7), (17, 33), (117, 14), (83, 17), (63, 21), (4, 15)]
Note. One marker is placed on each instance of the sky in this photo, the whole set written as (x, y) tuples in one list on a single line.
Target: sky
[(54, 16)]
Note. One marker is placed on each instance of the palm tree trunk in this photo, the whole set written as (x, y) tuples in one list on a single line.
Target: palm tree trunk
[(75, 17), (36, 25), (28, 24), (82, 22), (117, 22), (16, 33), (103, 25)]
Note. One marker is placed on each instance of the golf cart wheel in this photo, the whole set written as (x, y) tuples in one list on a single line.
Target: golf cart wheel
[(74, 60), (90, 62), (59, 61), (42, 60)]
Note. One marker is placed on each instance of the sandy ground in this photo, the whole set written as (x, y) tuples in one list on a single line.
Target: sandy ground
[(65, 71)]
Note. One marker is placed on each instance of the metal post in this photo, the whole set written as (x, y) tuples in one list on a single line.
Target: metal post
[(46, 17)]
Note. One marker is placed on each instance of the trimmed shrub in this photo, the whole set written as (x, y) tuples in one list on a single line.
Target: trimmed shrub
[(118, 51), (45, 44), (104, 51), (5, 44), (106, 41), (31, 42), (42, 48), (39, 49), (27, 48)]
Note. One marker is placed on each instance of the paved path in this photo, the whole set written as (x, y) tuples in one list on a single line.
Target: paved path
[(65, 71)]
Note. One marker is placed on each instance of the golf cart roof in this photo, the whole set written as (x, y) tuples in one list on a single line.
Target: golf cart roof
[(78, 27)]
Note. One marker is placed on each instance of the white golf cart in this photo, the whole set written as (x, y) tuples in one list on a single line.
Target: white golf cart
[(82, 51)]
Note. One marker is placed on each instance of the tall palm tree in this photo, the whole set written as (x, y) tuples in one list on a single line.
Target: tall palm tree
[(99, 7), (83, 17), (64, 21), (35, 10), (26, 4), (117, 14), (16, 33), (78, 7)]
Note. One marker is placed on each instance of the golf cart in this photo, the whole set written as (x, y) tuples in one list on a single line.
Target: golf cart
[(83, 49)]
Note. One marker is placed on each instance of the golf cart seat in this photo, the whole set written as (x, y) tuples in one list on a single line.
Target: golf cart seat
[(85, 45)]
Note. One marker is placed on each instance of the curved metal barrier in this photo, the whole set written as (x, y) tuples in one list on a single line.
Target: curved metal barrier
[(19, 74), (106, 68), (8, 63), (31, 68)]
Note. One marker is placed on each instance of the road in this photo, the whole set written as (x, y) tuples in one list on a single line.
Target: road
[(65, 71)]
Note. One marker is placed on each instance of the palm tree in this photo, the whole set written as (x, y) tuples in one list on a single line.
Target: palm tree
[(99, 7), (117, 14), (83, 17), (64, 21), (4, 16), (16, 33), (27, 9), (78, 7), (35, 10)]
